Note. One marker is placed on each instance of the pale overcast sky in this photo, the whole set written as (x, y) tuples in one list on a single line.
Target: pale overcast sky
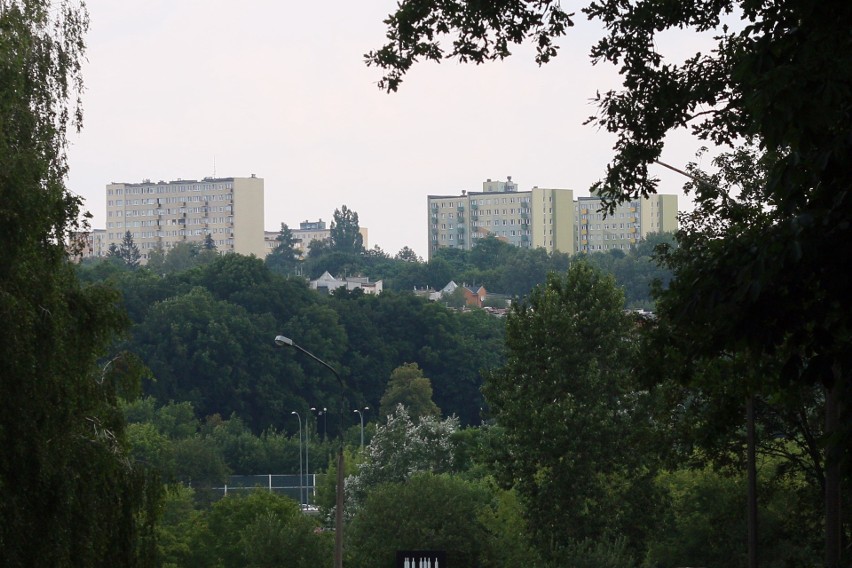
[(280, 90)]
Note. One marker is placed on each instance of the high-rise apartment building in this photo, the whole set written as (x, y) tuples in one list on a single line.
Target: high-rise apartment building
[(627, 224), (540, 217), (543, 218), (162, 214)]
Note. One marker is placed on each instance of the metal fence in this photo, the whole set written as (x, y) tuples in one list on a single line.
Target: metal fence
[(303, 491)]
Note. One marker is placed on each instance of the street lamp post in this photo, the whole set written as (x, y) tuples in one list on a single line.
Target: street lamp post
[(282, 341), (301, 477), (307, 462), (361, 415)]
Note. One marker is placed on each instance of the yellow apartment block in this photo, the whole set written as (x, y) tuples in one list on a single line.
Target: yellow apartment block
[(521, 218), (162, 214), (629, 223), (543, 218)]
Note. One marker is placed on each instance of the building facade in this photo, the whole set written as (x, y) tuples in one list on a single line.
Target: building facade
[(88, 244), (629, 223), (539, 217), (543, 218), (162, 214)]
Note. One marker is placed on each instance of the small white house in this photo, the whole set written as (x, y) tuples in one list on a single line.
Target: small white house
[(326, 283)]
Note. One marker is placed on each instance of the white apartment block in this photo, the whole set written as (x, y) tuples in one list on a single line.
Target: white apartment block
[(543, 218), (537, 218), (629, 223), (162, 214)]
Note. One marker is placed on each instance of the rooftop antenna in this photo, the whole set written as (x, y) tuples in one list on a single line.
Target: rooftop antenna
[(214, 166)]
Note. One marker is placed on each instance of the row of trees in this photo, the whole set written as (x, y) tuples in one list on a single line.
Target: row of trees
[(756, 279), (758, 312), (495, 264), (591, 456), (202, 322), (206, 334)]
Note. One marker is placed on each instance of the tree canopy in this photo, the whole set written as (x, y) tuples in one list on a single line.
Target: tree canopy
[(345, 232), (775, 75), (407, 386), (284, 258), (70, 494), (571, 413)]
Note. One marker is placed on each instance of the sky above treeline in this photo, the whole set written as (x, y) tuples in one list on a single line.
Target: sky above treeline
[(194, 88)]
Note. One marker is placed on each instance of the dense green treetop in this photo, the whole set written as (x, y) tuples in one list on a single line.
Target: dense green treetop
[(408, 386), (284, 258), (569, 410), (181, 256), (206, 334), (428, 512), (345, 232), (774, 75), (777, 73), (71, 496)]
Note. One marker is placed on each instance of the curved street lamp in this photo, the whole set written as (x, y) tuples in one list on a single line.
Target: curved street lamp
[(282, 341), (301, 477)]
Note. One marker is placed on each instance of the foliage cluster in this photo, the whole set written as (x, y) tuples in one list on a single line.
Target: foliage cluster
[(256, 530), (766, 284), (500, 267), (206, 334), (575, 470), (204, 453), (70, 495)]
